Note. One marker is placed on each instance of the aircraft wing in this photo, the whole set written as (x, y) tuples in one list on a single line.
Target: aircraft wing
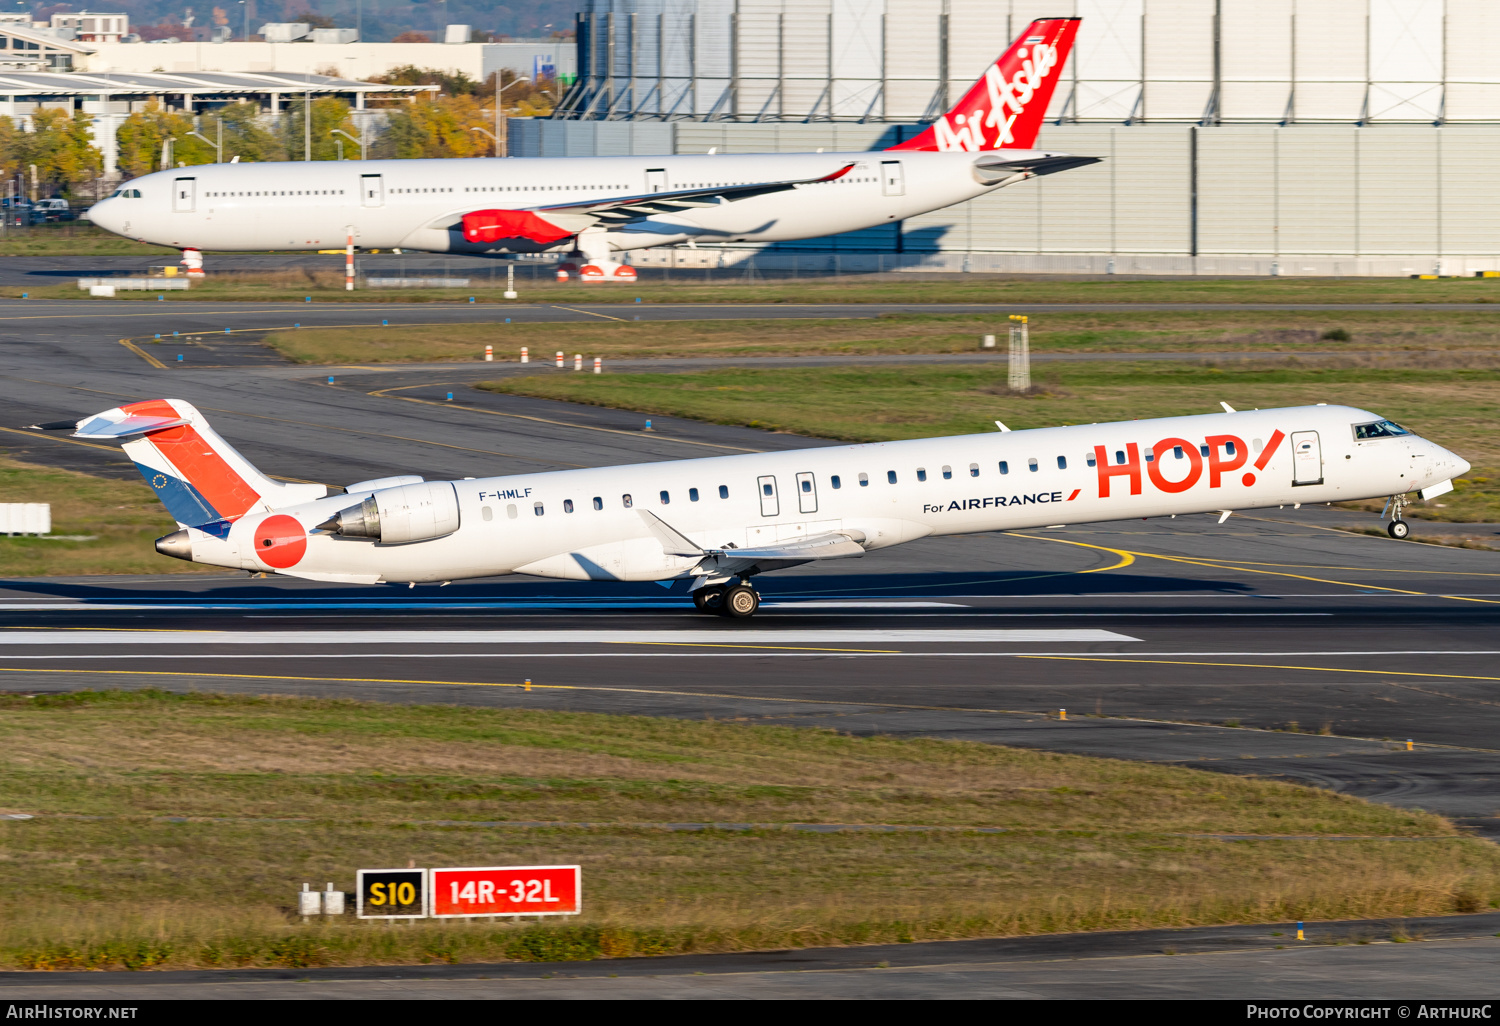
[(830, 545), (996, 167), (557, 221)]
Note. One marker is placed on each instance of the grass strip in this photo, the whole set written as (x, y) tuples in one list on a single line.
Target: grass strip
[(99, 525), (326, 282), (1455, 404), (340, 785), (1231, 331)]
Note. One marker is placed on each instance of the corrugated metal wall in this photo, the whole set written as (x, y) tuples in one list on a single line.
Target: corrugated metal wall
[(1394, 199), (1368, 61)]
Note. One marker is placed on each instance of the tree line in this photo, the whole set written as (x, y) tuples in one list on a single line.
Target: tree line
[(67, 161)]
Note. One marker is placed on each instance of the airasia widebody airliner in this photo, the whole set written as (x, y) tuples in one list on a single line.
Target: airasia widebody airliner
[(708, 526), (593, 208)]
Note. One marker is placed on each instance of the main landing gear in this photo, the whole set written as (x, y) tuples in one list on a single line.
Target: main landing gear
[(738, 601), (1398, 528)]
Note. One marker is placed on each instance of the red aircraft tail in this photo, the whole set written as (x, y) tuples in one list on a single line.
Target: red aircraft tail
[(1004, 109)]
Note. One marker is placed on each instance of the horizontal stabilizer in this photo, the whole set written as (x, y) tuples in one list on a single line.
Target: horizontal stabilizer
[(117, 423)]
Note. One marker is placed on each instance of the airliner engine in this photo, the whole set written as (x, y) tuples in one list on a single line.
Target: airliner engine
[(392, 516)]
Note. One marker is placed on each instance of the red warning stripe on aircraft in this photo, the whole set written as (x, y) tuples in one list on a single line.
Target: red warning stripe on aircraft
[(203, 468)]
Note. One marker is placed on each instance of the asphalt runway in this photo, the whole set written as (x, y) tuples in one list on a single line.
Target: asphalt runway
[(1273, 644), (1452, 959)]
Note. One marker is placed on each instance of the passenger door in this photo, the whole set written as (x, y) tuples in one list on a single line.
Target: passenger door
[(372, 190), (807, 494), (656, 179), (1307, 458), (184, 195), (769, 505), (892, 178)]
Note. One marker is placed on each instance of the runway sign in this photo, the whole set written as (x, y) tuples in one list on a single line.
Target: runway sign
[(507, 891), (391, 894)]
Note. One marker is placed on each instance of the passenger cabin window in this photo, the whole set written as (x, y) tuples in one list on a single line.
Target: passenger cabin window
[(723, 491), (1120, 455), (1031, 464), (1229, 448), (666, 498), (1089, 459), (692, 495), (1177, 451), (947, 473), (973, 470), (807, 486), (1004, 467), (626, 500), (835, 482), (921, 475), (486, 513), (1202, 449), (598, 502), (537, 509), (510, 511), (1150, 455), (864, 480), (1062, 463), (567, 505), (890, 476)]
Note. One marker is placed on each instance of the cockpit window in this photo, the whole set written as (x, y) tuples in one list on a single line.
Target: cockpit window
[(1379, 429)]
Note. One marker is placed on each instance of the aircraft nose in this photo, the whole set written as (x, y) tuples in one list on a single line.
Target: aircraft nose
[(105, 214)]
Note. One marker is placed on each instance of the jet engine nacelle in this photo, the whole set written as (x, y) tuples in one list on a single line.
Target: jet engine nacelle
[(410, 513)]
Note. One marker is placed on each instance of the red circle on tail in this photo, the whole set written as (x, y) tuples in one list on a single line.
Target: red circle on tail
[(280, 541)]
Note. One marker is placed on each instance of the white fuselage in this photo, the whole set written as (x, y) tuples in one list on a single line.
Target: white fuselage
[(580, 525), (418, 204)]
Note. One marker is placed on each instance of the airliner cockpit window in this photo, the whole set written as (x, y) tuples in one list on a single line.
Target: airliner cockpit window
[(1379, 429)]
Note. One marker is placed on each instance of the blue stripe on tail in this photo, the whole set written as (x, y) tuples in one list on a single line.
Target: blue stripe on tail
[(186, 504)]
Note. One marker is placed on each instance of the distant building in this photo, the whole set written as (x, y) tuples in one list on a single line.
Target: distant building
[(315, 53), (94, 27)]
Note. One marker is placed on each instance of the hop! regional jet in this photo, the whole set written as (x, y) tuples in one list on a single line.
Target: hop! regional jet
[(710, 525), (592, 208)]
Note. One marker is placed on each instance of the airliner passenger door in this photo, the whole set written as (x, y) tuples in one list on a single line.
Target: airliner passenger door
[(807, 494), (184, 195), (372, 189), (1307, 458), (656, 179), (769, 506), (892, 178)]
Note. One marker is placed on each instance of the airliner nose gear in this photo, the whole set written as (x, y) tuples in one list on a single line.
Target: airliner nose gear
[(1397, 528)]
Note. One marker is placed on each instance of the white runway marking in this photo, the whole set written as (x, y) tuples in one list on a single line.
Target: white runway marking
[(721, 654), (541, 637)]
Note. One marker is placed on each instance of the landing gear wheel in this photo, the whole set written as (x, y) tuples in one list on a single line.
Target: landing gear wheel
[(1398, 529), (741, 601), (709, 600)]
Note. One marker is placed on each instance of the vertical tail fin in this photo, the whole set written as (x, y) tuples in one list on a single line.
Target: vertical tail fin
[(198, 476), (1005, 108)]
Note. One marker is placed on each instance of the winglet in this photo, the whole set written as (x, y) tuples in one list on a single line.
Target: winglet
[(673, 543), (1001, 426), (1224, 514), (1227, 407)]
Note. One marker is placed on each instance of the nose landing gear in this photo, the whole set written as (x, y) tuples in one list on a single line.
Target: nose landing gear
[(1398, 529)]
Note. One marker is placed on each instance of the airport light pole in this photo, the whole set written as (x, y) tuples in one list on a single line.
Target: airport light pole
[(498, 135), (358, 142)]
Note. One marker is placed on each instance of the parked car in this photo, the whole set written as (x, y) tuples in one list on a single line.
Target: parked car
[(17, 212), (56, 209)]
